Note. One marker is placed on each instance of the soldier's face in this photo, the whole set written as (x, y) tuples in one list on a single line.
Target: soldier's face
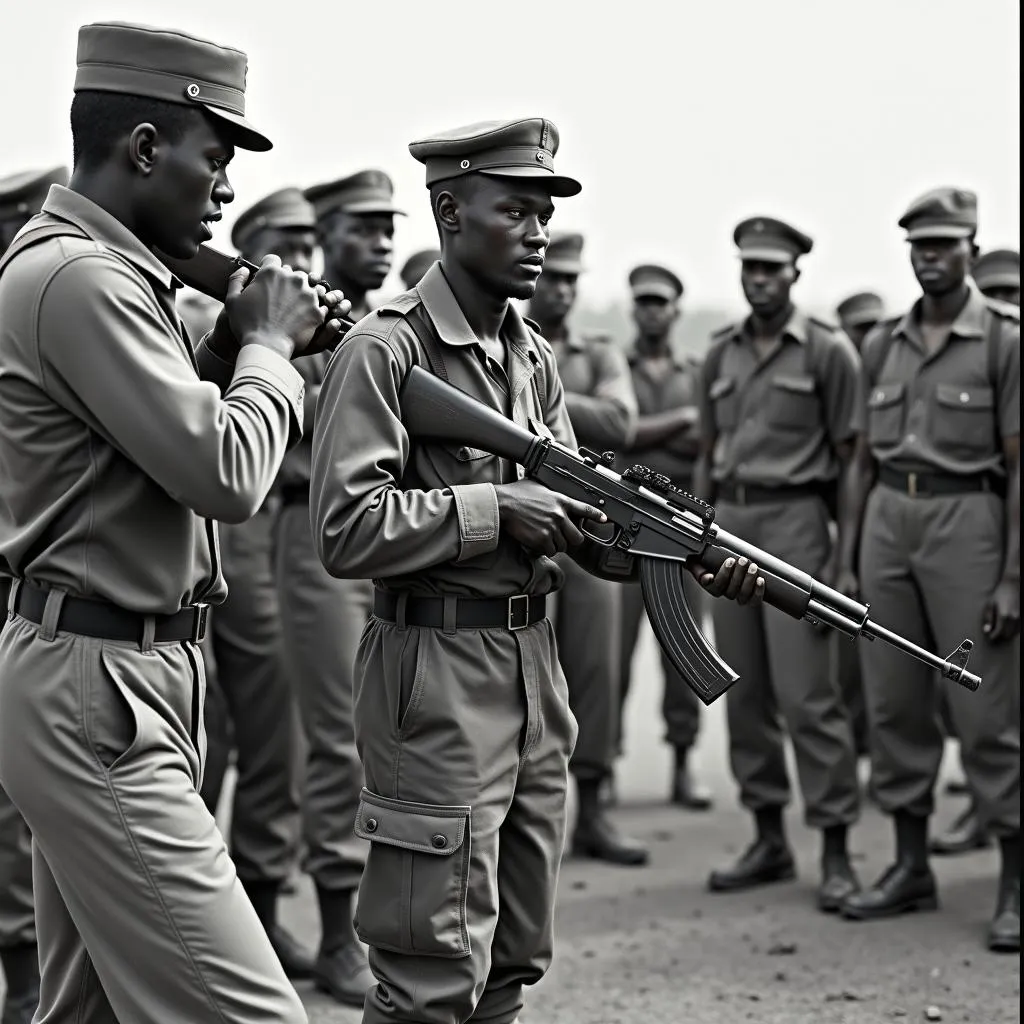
[(766, 285), (654, 316), (1001, 292), (554, 297), (295, 246), (359, 247), (184, 186), (498, 231), (858, 332), (941, 264)]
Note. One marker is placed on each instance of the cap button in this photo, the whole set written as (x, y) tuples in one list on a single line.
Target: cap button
[(540, 155), (464, 164), (439, 842), (192, 90)]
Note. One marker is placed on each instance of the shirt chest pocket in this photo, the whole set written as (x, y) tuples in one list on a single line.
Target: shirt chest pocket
[(457, 464), (886, 408), (963, 419), (793, 402), (725, 403)]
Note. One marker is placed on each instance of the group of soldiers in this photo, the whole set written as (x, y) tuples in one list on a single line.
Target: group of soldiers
[(367, 670)]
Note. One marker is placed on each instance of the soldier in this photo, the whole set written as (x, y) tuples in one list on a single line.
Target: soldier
[(778, 393), (936, 488), (121, 448), (21, 196), (997, 274), (667, 439), (417, 265), (858, 313), (602, 409), (322, 617), (462, 715)]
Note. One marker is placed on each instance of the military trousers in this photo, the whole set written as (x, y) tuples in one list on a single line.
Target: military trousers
[(928, 565), (786, 679), (322, 619), (140, 915), (587, 625), (245, 642), (465, 738), (680, 706)]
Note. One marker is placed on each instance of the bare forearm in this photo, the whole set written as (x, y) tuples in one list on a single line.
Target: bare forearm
[(654, 429)]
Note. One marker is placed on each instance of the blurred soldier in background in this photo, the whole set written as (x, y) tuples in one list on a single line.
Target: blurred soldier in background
[(417, 265), (778, 394), (858, 314), (666, 438), (602, 408), (997, 274)]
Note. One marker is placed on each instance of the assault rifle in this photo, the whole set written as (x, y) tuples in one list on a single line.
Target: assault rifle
[(663, 527)]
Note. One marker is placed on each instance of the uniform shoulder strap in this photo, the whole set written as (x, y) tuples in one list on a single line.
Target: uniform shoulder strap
[(426, 334), (36, 235)]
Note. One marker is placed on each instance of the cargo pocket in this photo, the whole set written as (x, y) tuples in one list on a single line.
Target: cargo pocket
[(793, 403), (885, 413), (963, 421), (412, 895), (722, 394)]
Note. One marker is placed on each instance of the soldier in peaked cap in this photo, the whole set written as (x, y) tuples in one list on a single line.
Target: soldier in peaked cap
[(417, 265), (126, 446), (777, 401), (21, 196), (935, 499), (602, 409), (666, 438), (858, 314), (461, 716), (997, 274)]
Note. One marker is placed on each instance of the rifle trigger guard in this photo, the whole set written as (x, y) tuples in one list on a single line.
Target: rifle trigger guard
[(605, 542)]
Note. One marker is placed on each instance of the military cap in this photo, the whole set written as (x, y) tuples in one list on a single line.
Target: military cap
[(286, 208), (504, 149), (997, 268), (564, 254), (770, 240), (941, 213), (650, 280), (164, 64), (22, 194), (363, 192), (417, 265), (862, 308)]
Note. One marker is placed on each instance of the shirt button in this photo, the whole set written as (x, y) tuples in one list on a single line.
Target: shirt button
[(371, 825), (912, 438), (964, 397)]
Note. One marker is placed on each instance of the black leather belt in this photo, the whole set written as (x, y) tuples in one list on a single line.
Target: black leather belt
[(756, 494), (469, 613), (928, 485), (109, 622), (294, 494)]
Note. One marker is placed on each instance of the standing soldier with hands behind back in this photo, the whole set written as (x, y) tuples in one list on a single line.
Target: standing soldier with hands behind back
[(119, 449), (935, 498)]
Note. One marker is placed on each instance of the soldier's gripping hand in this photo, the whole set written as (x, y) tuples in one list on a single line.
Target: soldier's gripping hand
[(335, 307), (279, 309), (543, 521), (736, 579), (1001, 617)]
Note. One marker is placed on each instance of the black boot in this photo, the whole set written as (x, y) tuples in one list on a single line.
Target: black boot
[(609, 794), (596, 837), (21, 971), (964, 835), (341, 967), (296, 960), (838, 880), (686, 791), (1004, 931), (767, 859), (907, 885)]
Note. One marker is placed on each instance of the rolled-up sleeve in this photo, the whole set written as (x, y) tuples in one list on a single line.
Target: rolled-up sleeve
[(101, 334), (365, 525)]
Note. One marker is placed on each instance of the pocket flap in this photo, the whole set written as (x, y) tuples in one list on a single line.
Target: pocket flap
[(425, 828), (721, 387), (464, 453), (956, 397), (802, 385), (885, 394)]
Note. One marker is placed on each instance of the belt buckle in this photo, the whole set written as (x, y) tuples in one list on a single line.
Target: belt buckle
[(912, 485), (518, 612), (200, 615)]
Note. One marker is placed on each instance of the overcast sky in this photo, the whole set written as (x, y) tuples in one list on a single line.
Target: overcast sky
[(680, 117)]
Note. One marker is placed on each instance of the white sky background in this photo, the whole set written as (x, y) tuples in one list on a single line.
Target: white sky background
[(680, 118)]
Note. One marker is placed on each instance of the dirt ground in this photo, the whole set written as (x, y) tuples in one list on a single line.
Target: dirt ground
[(652, 946)]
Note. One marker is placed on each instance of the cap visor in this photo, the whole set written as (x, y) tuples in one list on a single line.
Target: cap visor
[(557, 184), (939, 231), (655, 291), (368, 206), (768, 255), (860, 319), (563, 267), (1007, 280), (242, 133)]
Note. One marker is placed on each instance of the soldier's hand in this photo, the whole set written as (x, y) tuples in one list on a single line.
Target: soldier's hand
[(542, 520), (736, 579), (335, 307), (279, 308), (1001, 617), (847, 583)]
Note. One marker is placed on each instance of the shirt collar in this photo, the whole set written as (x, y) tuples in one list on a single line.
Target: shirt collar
[(106, 229), (969, 322), (795, 327)]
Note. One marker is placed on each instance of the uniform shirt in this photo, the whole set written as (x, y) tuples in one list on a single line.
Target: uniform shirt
[(598, 391), (116, 443), (198, 313), (777, 420), (677, 389), (423, 517), (942, 411)]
